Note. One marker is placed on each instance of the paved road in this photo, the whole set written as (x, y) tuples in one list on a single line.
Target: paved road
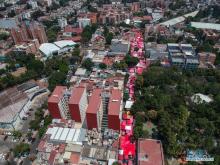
[(33, 151), (34, 145)]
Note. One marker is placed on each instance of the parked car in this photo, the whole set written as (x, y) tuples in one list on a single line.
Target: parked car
[(24, 118)]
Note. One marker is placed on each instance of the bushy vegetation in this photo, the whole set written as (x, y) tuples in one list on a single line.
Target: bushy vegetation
[(55, 69), (163, 97), (87, 32)]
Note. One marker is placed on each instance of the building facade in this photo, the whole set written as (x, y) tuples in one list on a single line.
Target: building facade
[(56, 103), (78, 104), (29, 31), (95, 110), (115, 109), (182, 56)]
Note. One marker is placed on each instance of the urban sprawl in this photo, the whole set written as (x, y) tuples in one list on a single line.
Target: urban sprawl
[(109, 82)]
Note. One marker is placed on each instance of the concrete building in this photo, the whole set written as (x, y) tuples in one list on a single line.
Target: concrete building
[(15, 103), (62, 22), (78, 104), (207, 57), (31, 46), (83, 22), (150, 152), (182, 56), (95, 110), (29, 31), (33, 4), (68, 104), (113, 13), (62, 143), (57, 104), (57, 48), (120, 46), (135, 7), (8, 23), (115, 109), (202, 25), (90, 15), (48, 2)]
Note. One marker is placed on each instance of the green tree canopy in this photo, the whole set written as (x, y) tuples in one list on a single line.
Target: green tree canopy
[(87, 64)]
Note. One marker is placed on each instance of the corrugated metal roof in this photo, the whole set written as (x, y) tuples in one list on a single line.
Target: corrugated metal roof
[(64, 134), (202, 25), (70, 135), (58, 134)]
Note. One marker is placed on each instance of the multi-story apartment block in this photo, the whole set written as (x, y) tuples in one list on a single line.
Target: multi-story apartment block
[(115, 106), (182, 56), (207, 57), (56, 103), (113, 14), (29, 31), (67, 104), (94, 111), (83, 22), (78, 104)]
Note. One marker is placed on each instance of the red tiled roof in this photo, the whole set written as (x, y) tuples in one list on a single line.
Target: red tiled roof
[(71, 29), (150, 152), (62, 148), (74, 158), (76, 95), (94, 101), (76, 38), (147, 18), (108, 61), (52, 157), (114, 102), (41, 146), (57, 94)]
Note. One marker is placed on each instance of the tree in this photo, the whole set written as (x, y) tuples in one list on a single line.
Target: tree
[(76, 52), (4, 36), (34, 124), (52, 33), (36, 14), (11, 13), (102, 66), (109, 38), (42, 131), (152, 114), (56, 78), (138, 132), (36, 65), (87, 32), (120, 65), (116, 163), (17, 134), (64, 2), (131, 61), (88, 64), (21, 149), (145, 134)]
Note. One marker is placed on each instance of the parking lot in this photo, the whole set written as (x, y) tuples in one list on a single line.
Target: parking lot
[(7, 141)]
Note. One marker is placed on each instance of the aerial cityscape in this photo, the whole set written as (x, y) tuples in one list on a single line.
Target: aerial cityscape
[(109, 82)]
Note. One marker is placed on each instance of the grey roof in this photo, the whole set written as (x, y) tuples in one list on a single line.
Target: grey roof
[(203, 25), (8, 23), (25, 86), (180, 60), (192, 60)]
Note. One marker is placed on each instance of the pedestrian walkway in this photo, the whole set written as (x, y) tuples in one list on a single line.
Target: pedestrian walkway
[(127, 146)]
